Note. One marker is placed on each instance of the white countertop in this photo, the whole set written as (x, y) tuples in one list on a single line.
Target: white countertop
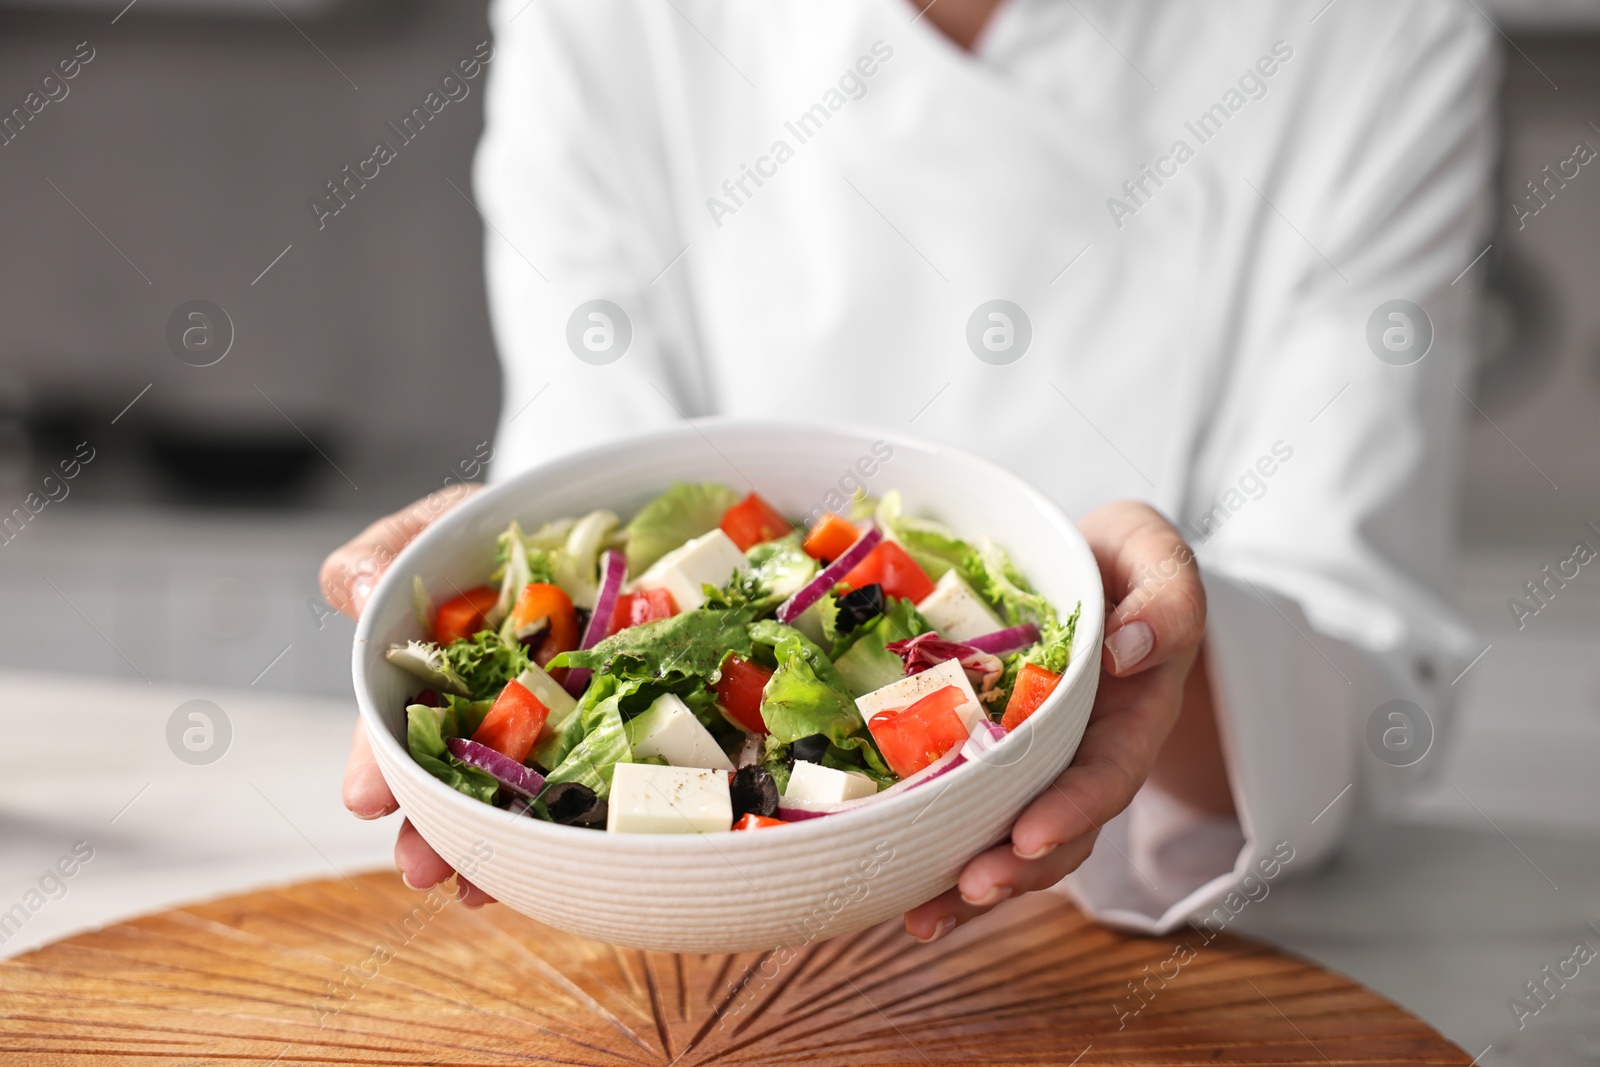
[(1448, 919), (88, 761)]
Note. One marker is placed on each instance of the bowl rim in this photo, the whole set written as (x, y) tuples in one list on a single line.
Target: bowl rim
[(397, 577)]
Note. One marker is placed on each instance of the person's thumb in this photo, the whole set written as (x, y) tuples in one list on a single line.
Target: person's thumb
[(1152, 581)]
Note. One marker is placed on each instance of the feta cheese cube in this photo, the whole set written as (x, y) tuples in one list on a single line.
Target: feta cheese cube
[(956, 611), (667, 728), (649, 799), (707, 560), (811, 784), (897, 696), (560, 702)]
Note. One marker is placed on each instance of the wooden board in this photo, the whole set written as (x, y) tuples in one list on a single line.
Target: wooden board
[(363, 970)]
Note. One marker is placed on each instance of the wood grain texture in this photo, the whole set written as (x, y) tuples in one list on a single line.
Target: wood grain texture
[(363, 970)]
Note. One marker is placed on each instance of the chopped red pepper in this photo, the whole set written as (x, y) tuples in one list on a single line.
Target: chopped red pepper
[(889, 566), (646, 605), (739, 692), (916, 736), (542, 603), (752, 521), (513, 722), (752, 821), (829, 537), (1032, 686), (460, 617)]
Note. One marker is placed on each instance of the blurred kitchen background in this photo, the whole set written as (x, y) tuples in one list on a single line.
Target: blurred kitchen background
[(178, 167)]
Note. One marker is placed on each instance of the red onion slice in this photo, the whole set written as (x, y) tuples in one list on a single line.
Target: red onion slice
[(829, 576), (613, 572), (524, 781), (1006, 641), (985, 736), (802, 814)]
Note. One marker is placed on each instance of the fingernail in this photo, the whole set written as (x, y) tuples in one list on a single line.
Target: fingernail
[(360, 592), (1130, 645), (940, 928), (406, 878), (1037, 854), (994, 896), (369, 814)]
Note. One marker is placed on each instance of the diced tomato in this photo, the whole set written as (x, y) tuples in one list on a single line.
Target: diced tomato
[(462, 616), (739, 692), (752, 821), (829, 537), (542, 603), (1033, 684), (916, 736), (889, 566), (752, 521), (513, 722), (646, 605)]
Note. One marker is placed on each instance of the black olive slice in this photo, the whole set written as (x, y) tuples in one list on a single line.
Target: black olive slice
[(811, 749), (574, 804), (859, 606), (753, 792)]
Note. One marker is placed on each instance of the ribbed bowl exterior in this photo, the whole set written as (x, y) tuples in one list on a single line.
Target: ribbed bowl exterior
[(765, 889)]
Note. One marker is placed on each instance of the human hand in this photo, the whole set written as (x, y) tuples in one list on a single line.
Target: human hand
[(348, 577), (1153, 636)]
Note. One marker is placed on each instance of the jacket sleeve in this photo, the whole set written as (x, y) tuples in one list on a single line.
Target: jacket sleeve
[(1323, 492), (588, 290)]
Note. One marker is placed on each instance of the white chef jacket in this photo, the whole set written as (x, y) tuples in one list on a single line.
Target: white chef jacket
[(1189, 330)]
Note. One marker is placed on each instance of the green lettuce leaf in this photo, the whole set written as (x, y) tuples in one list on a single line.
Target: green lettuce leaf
[(827, 609), (797, 704), (422, 605), (684, 511), (426, 731), (425, 660), (691, 643), (575, 567), (996, 579), (1054, 649), (779, 568), (467, 714), (565, 553), (774, 760), (535, 556), (485, 662), (551, 536), (786, 641), (866, 664), (554, 746), (603, 744), (800, 700)]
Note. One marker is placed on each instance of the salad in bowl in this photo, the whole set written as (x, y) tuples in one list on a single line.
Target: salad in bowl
[(713, 665)]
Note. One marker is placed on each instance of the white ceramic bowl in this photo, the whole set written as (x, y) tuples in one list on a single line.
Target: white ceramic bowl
[(738, 891)]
